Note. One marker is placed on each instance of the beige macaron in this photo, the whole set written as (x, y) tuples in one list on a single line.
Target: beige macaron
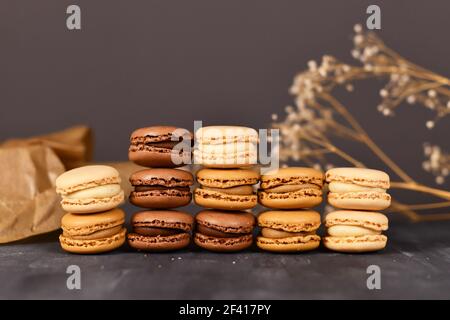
[(226, 147), (288, 231), (94, 233), (226, 189), (90, 189), (291, 188), (358, 188), (355, 231)]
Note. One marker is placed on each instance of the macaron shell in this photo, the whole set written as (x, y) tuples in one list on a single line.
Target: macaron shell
[(87, 206), (93, 246), (155, 134), (356, 244), (291, 244), (86, 177), (166, 243), (290, 221), (223, 244), (360, 200), (162, 177), (227, 178), (231, 160), (218, 200), (76, 225), (170, 219), (305, 198), (158, 158), (359, 176), (291, 175), (225, 134), (161, 199), (227, 221), (366, 219)]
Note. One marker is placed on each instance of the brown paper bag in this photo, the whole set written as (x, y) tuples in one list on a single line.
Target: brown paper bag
[(29, 204)]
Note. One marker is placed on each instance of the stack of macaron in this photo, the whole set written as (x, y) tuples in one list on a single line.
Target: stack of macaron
[(290, 226), (225, 187), (358, 193), (160, 189), (91, 195)]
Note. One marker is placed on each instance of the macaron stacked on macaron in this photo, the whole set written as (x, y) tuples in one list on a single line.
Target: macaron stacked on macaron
[(291, 188), (355, 231), (359, 189), (226, 184), (90, 195), (230, 189), (160, 188), (224, 231), (288, 231), (226, 147)]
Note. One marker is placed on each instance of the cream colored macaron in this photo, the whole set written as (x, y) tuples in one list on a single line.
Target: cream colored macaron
[(358, 188), (226, 147), (355, 231), (90, 189)]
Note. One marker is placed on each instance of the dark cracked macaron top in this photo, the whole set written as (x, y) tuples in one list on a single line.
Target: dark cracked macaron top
[(225, 221), (162, 177), (154, 146)]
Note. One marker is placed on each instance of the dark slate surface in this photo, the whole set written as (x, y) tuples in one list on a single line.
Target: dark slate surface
[(416, 264)]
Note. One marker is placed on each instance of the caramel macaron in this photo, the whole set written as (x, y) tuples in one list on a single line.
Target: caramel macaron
[(94, 233), (291, 188), (160, 146), (358, 188), (90, 189), (226, 147), (223, 231), (288, 231), (161, 188), (355, 231), (160, 230), (226, 189)]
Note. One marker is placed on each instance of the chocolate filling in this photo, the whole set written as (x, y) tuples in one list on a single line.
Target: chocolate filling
[(216, 233), (155, 232), (154, 188)]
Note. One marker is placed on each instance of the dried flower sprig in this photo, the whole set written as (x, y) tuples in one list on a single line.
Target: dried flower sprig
[(437, 163), (309, 129)]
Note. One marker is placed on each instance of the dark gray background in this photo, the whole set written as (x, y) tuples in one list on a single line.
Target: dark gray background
[(138, 63)]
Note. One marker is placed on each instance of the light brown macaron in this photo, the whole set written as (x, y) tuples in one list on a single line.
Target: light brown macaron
[(355, 231), (160, 147), (358, 188), (223, 231), (161, 188), (226, 189), (291, 188), (94, 233), (90, 189), (288, 231)]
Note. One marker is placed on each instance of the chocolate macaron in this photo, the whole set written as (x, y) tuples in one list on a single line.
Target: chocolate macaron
[(288, 231), (230, 189), (161, 188), (160, 146), (358, 188), (223, 231), (160, 230), (94, 233), (291, 188)]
